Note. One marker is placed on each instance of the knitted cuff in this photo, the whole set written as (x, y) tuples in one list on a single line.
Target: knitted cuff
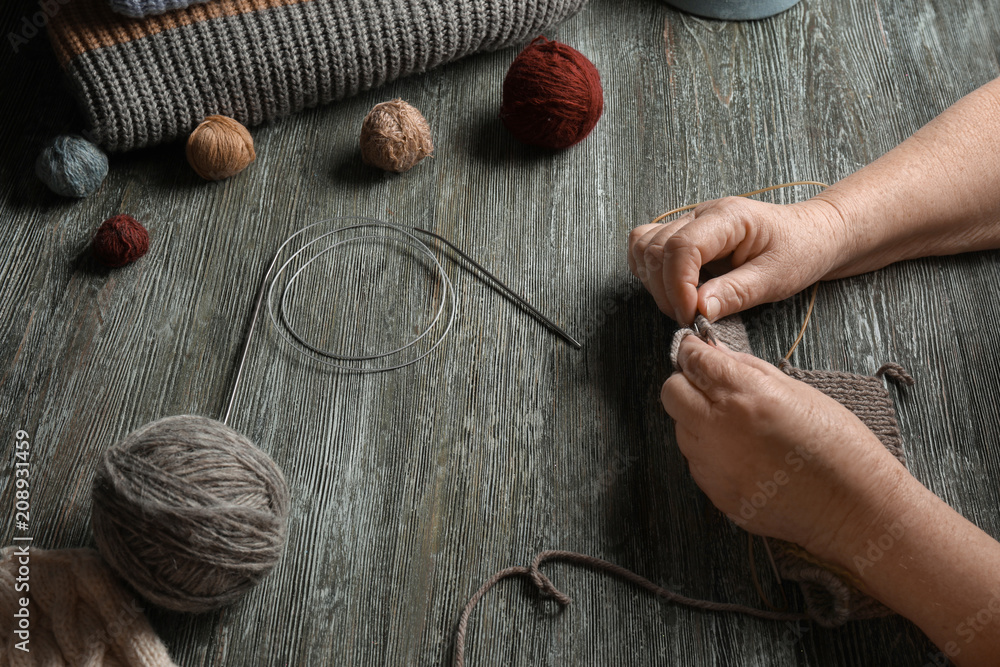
[(146, 81), (140, 8)]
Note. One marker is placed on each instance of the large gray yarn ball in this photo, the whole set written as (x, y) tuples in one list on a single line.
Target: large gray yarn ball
[(72, 166), (189, 512)]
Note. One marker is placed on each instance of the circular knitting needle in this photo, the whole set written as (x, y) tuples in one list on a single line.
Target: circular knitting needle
[(278, 298), (519, 300)]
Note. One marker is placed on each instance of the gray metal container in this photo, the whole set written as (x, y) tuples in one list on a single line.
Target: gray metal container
[(733, 10)]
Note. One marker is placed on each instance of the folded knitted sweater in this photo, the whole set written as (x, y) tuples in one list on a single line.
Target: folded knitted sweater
[(145, 81)]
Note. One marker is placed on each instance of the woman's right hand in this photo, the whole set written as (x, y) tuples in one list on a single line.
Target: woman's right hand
[(774, 251)]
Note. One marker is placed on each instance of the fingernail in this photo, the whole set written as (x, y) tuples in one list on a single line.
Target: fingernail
[(712, 307), (679, 316)]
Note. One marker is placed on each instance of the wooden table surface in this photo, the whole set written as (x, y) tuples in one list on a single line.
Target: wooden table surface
[(411, 487)]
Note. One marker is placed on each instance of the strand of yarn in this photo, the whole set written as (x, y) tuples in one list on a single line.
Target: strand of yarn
[(770, 188), (547, 589), (774, 570), (896, 373), (805, 322)]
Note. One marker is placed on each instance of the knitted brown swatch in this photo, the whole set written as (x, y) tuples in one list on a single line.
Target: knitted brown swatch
[(830, 596)]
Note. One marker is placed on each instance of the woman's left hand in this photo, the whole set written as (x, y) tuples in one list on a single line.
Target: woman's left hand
[(779, 457)]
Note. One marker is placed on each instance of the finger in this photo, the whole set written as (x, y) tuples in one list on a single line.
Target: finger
[(634, 238), (750, 360), (717, 373), (647, 254), (684, 402), (744, 287), (640, 238), (704, 240), (674, 224)]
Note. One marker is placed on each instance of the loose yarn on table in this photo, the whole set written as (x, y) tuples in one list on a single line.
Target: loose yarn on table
[(552, 95), (189, 512), (395, 136), (79, 613), (72, 166), (120, 240), (547, 589)]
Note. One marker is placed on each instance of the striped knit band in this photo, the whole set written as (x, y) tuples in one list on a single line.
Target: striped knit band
[(145, 81)]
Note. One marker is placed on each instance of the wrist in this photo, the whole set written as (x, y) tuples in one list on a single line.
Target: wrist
[(876, 518), (835, 226), (868, 230)]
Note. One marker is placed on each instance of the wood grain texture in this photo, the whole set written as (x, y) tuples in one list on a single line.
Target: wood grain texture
[(410, 488)]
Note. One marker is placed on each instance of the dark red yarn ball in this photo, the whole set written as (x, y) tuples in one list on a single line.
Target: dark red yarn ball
[(120, 240), (552, 95)]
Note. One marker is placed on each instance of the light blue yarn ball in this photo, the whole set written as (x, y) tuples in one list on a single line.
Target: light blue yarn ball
[(72, 166)]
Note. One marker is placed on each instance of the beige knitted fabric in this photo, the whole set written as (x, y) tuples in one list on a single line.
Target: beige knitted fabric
[(830, 596), (79, 613)]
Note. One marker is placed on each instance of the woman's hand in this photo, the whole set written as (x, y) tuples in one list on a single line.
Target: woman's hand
[(784, 460), (775, 251), (779, 457), (934, 194)]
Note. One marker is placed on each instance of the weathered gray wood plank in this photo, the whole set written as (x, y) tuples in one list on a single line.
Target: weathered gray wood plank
[(410, 488)]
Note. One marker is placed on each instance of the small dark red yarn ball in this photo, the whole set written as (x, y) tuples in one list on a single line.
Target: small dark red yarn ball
[(552, 95), (120, 240)]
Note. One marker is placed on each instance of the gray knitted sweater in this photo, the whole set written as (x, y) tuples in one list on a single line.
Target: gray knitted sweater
[(143, 81)]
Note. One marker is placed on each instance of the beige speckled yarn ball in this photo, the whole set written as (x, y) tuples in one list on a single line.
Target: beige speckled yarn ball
[(219, 148), (395, 136), (189, 512)]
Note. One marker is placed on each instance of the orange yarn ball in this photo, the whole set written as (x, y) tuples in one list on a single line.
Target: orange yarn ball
[(395, 136), (220, 147)]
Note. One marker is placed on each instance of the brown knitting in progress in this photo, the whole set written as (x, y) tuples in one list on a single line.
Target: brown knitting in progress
[(831, 598)]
